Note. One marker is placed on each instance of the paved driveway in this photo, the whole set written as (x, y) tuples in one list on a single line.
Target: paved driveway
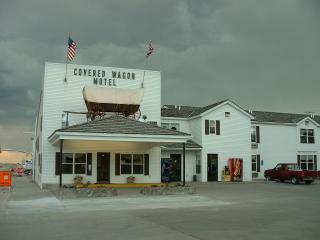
[(218, 211)]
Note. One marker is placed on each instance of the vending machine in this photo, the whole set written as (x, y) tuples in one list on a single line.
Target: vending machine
[(236, 169)]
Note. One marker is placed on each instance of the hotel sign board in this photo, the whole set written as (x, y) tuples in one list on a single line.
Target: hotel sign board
[(103, 77)]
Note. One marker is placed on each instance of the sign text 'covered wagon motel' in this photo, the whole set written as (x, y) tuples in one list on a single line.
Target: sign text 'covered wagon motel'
[(100, 77)]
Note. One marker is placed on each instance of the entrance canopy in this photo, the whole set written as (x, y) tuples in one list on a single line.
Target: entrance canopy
[(104, 99), (119, 128)]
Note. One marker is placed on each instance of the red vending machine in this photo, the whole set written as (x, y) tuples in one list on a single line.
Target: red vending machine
[(236, 168)]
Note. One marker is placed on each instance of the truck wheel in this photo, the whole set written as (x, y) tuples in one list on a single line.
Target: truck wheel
[(309, 182), (268, 178), (294, 180)]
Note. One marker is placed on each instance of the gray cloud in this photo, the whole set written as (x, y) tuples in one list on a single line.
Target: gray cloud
[(262, 54)]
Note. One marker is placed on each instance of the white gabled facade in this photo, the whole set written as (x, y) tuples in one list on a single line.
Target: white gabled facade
[(59, 96), (281, 143), (232, 142)]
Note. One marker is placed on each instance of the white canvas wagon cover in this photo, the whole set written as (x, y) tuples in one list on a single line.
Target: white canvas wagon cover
[(105, 99)]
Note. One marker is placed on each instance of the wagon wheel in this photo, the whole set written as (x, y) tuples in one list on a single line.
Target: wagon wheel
[(136, 115)]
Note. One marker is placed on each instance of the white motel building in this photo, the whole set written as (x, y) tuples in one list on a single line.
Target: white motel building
[(106, 124)]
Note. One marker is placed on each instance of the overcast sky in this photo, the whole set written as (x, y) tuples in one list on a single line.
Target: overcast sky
[(263, 55)]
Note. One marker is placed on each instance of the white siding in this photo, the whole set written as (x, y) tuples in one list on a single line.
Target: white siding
[(196, 130), (277, 144), (38, 135), (233, 142), (280, 143), (113, 148), (59, 96)]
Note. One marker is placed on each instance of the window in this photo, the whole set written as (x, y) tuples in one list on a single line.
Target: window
[(80, 163), (137, 164), (173, 126), (132, 163), (293, 167), (254, 163), (67, 163), (306, 135), (126, 163), (212, 126), (307, 162), (253, 134), (40, 162), (198, 167), (227, 114), (74, 163), (37, 144)]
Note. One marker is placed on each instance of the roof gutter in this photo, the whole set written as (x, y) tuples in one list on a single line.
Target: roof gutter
[(118, 137)]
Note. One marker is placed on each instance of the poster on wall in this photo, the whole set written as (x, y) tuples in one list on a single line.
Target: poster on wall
[(165, 169)]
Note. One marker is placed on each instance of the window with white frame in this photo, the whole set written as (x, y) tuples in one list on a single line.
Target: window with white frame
[(173, 126), (80, 163), (212, 126), (307, 162), (132, 163), (306, 135), (254, 163), (74, 163)]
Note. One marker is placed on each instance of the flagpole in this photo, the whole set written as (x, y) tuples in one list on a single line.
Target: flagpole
[(145, 66), (144, 72), (65, 76)]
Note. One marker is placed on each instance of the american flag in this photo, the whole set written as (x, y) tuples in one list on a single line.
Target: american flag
[(72, 47), (150, 50)]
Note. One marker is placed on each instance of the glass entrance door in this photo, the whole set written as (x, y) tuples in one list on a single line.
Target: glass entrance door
[(175, 175), (212, 167), (103, 167)]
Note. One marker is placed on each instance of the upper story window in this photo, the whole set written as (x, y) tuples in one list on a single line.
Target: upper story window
[(255, 134), (173, 126), (306, 135), (212, 127)]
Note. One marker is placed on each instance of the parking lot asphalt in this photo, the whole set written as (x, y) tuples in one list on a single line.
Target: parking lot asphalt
[(252, 210)]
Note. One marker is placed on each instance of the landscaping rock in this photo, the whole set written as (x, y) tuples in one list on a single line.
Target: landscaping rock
[(94, 192), (169, 190)]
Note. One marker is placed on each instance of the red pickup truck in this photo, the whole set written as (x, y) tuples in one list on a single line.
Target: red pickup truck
[(290, 171)]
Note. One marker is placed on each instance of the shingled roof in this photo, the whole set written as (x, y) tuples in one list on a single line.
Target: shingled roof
[(117, 124), (277, 117), (189, 145), (186, 111)]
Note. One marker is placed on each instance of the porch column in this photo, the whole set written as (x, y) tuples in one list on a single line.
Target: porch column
[(61, 157), (184, 163)]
